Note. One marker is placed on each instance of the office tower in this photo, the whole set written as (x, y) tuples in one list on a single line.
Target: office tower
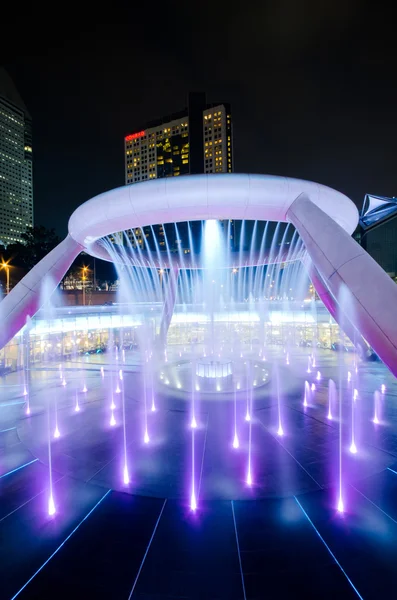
[(16, 169), (195, 140)]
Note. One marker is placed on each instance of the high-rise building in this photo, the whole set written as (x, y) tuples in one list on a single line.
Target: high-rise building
[(16, 168), (198, 139), (195, 140)]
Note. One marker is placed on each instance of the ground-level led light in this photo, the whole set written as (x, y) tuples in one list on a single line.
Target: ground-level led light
[(236, 443), (126, 475), (146, 438), (51, 506), (112, 420), (353, 448), (193, 501), (193, 423), (56, 432)]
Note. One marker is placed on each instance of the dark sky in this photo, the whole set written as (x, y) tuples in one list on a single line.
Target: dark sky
[(313, 88)]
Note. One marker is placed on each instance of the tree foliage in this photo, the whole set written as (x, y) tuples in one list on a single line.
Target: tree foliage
[(36, 243)]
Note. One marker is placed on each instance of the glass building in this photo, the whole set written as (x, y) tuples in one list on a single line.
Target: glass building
[(16, 166)]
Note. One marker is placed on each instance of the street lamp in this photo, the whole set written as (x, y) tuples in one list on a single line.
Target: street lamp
[(5, 265), (84, 277)]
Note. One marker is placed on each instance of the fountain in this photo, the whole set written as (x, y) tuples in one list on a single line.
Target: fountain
[(203, 329)]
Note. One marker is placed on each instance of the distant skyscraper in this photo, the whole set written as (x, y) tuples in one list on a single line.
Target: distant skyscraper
[(16, 169), (196, 140)]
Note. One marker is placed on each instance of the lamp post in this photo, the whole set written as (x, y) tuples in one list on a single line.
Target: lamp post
[(5, 265), (84, 277)]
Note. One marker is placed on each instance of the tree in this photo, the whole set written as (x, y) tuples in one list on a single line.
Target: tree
[(36, 243)]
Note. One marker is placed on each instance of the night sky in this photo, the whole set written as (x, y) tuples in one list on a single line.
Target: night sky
[(312, 86)]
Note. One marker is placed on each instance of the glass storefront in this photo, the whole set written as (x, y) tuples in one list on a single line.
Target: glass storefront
[(92, 330)]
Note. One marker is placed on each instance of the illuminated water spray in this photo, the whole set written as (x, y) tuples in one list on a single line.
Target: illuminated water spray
[(306, 394), (193, 499), (152, 390), (146, 434), (249, 466), (235, 438), (193, 423), (309, 369), (126, 476), (353, 447), (280, 430), (376, 407), (340, 507), (331, 397), (51, 503), (77, 405), (56, 430), (249, 394)]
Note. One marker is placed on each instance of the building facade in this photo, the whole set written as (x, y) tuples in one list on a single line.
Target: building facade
[(197, 140), (377, 232), (16, 164)]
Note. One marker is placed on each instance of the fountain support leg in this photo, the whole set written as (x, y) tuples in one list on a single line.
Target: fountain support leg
[(330, 303), (344, 265), (26, 298), (169, 304)]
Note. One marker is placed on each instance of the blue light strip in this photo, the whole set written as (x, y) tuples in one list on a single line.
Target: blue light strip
[(238, 552), (59, 547), (328, 548), (9, 429), (147, 550), (389, 469), (18, 468)]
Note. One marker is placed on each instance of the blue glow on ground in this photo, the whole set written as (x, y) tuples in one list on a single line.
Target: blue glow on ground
[(60, 546), (18, 468), (147, 550), (238, 552), (328, 548)]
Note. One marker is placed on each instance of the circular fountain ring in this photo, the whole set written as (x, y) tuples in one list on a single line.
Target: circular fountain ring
[(208, 368), (217, 378), (201, 197)]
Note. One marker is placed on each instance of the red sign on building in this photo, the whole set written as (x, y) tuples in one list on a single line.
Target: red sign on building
[(134, 136)]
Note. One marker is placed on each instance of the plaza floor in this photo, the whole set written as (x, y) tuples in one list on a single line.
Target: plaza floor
[(281, 537)]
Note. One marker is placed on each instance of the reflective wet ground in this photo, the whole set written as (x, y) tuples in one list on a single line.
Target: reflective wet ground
[(280, 537)]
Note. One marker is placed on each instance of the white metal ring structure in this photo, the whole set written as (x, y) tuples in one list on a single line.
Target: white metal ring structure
[(324, 218)]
